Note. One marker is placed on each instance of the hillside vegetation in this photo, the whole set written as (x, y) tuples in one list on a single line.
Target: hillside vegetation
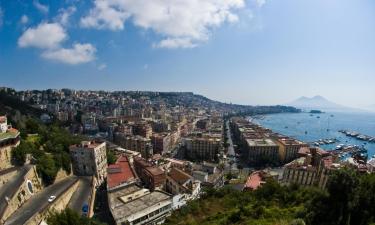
[(349, 199)]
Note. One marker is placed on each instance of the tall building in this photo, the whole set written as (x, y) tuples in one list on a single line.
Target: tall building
[(135, 143), (161, 143), (259, 151), (288, 149), (202, 148), (89, 158), (143, 129)]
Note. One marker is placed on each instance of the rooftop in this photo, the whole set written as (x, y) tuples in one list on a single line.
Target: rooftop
[(261, 142), (121, 210), (179, 176), (290, 141), (87, 144), (120, 173), (10, 134), (254, 181)]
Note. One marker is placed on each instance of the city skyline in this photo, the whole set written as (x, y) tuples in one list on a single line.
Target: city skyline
[(247, 52)]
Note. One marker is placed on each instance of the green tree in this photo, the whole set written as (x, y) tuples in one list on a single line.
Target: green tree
[(46, 167), (19, 155), (111, 157), (70, 217)]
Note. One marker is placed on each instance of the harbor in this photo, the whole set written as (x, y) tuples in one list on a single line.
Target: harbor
[(327, 132), (358, 135)]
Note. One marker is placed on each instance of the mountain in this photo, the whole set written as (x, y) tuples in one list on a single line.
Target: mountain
[(370, 108), (320, 103)]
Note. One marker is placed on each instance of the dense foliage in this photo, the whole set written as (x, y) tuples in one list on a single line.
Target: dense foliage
[(49, 147), (70, 217), (349, 199)]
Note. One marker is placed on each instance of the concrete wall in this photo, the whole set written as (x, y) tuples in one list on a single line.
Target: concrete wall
[(23, 193), (58, 205), (61, 175), (92, 197), (6, 177), (5, 157)]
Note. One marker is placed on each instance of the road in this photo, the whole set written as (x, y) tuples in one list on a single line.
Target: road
[(9, 188), (231, 155), (39, 201), (82, 195)]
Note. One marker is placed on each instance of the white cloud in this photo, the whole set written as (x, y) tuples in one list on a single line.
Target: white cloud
[(175, 43), (65, 14), (24, 19), (181, 23), (79, 53), (102, 66), (259, 3), (45, 35), (42, 8), (49, 37)]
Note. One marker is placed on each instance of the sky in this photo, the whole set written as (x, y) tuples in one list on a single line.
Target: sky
[(258, 52)]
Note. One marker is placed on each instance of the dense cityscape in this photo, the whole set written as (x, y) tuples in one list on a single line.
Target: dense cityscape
[(187, 112), (145, 157)]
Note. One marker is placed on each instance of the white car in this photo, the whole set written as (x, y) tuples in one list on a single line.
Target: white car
[(51, 198)]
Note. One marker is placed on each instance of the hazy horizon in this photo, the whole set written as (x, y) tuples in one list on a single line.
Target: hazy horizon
[(253, 52)]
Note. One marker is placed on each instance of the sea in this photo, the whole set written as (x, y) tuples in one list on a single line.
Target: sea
[(312, 127)]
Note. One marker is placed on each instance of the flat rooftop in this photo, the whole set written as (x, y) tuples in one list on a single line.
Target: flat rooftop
[(121, 209), (261, 142), (10, 134), (290, 141)]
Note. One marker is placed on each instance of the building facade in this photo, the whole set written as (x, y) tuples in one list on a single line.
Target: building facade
[(89, 158)]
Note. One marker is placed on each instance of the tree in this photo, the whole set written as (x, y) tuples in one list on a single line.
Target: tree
[(70, 217), (341, 187), (19, 155), (111, 157), (47, 168)]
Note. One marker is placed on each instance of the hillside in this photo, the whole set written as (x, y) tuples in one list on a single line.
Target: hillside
[(348, 200)]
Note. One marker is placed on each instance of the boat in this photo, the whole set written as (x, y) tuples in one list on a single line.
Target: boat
[(318, 117)]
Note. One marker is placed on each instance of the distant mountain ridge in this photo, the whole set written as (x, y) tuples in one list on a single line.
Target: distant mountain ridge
[(320, 103)]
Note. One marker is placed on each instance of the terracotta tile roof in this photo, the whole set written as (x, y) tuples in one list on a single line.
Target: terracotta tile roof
[(254, 181), (179, 176), (120, 172), (155, 171)]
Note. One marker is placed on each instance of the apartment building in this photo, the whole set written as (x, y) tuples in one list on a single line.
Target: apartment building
[(134, 205), (89, 158), (259, 151), (135, 143), (312, 168), (202, 148), (151, 176), (288, 148)]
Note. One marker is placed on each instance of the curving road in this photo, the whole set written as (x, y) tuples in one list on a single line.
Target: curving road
[(8, 189), (39, 201)]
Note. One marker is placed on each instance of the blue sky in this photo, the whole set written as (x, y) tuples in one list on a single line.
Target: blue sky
[(240, 51)]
